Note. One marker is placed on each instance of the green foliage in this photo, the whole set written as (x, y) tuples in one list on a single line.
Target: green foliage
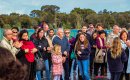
[(76, 18)]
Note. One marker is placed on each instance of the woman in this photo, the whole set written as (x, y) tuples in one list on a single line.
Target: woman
[(100, 43), (93, 50), (26, 54), (10, 69), (42, 45), (82, 48), (116, 57), (124, 43)]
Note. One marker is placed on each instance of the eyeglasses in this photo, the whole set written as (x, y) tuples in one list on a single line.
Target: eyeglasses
[(67, 32)]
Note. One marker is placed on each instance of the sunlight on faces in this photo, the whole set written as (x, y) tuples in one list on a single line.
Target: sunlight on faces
[(116, 29), (82, 37), (84, 29), (9, 34), (51, 33), (60, 33), (25, 36), (124, 36), (67, 33)]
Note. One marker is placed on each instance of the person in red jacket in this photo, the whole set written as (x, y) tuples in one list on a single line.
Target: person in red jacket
[(26, 54)]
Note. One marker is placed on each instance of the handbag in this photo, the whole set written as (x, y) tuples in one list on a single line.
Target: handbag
[(39, 62), (73, 56), (100, 55)]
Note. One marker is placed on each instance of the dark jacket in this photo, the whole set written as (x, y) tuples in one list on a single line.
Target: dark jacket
[(84, 53), (40, 44), (65, 46), (116, 65)]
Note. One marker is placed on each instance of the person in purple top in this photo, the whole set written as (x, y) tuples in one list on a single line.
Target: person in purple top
[(116, 57)]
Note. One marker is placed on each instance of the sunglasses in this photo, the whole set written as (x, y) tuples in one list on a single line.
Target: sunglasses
[(67, 32)]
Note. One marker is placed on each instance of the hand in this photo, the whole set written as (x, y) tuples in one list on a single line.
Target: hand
[(26, 50), (128, 43), (17, 44), (44, 48), (49, 48), (65, 53), (94, 46), (79, 52), (63, 59), (34, 50)]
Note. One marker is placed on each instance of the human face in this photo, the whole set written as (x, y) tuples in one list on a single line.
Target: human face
[(124, 36), (15, 32), (51, 33), (9, 35), (82, 38), (25, 36), (60, 33), (116, 29), (84, 29), (102, 35), (41, 34), (99, 28), (67, 33), (94, 35)]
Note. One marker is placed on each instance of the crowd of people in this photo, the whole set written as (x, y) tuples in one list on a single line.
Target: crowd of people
[(95, 53)]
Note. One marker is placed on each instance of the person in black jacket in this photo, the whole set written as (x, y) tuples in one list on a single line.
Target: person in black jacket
[(42, 45)]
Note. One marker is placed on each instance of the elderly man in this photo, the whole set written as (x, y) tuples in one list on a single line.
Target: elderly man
[(65, 47), (113, 34), (8, 43)]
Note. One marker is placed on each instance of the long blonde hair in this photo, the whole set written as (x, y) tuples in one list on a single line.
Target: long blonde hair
[(57, 49), (116, 48)]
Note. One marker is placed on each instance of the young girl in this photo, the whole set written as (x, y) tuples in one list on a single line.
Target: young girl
[(57, 67), (82, 48), (116, 57)]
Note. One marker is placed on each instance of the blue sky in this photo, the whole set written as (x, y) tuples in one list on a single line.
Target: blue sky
[(26, 6)]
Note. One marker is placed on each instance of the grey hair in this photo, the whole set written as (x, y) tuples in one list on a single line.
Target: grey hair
[(60, 29), (5, 32)]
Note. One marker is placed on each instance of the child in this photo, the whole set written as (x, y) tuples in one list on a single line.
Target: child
[(57, 67), (116, 57)]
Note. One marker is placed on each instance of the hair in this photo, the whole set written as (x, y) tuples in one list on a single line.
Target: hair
[(21, 34), (78, 43), (101, 32), (51, 30), (99, 24), (15, 28), (66, 30), (122, 32), (60, 29), (39, 30), (5, 32), (116, 48), (94, 33), (57, 49), (10, 69)]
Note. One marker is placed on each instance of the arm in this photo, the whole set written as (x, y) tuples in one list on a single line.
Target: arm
[(87, 50), (123, 56)]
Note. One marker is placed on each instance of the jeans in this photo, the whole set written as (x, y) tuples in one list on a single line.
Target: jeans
[(115, 75), (84, 69), (66, 69), (56, 77), (38, 73)]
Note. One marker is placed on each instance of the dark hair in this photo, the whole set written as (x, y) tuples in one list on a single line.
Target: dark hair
[(94, 33), (21, 34), (10, 69), (101, 32), (51, 30), (39, 30), (99, 24), (123, 31), (15, 28)]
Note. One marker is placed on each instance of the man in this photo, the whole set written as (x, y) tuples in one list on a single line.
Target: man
[(113, 34), (61, 40), (90, 29), (8, 43)]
